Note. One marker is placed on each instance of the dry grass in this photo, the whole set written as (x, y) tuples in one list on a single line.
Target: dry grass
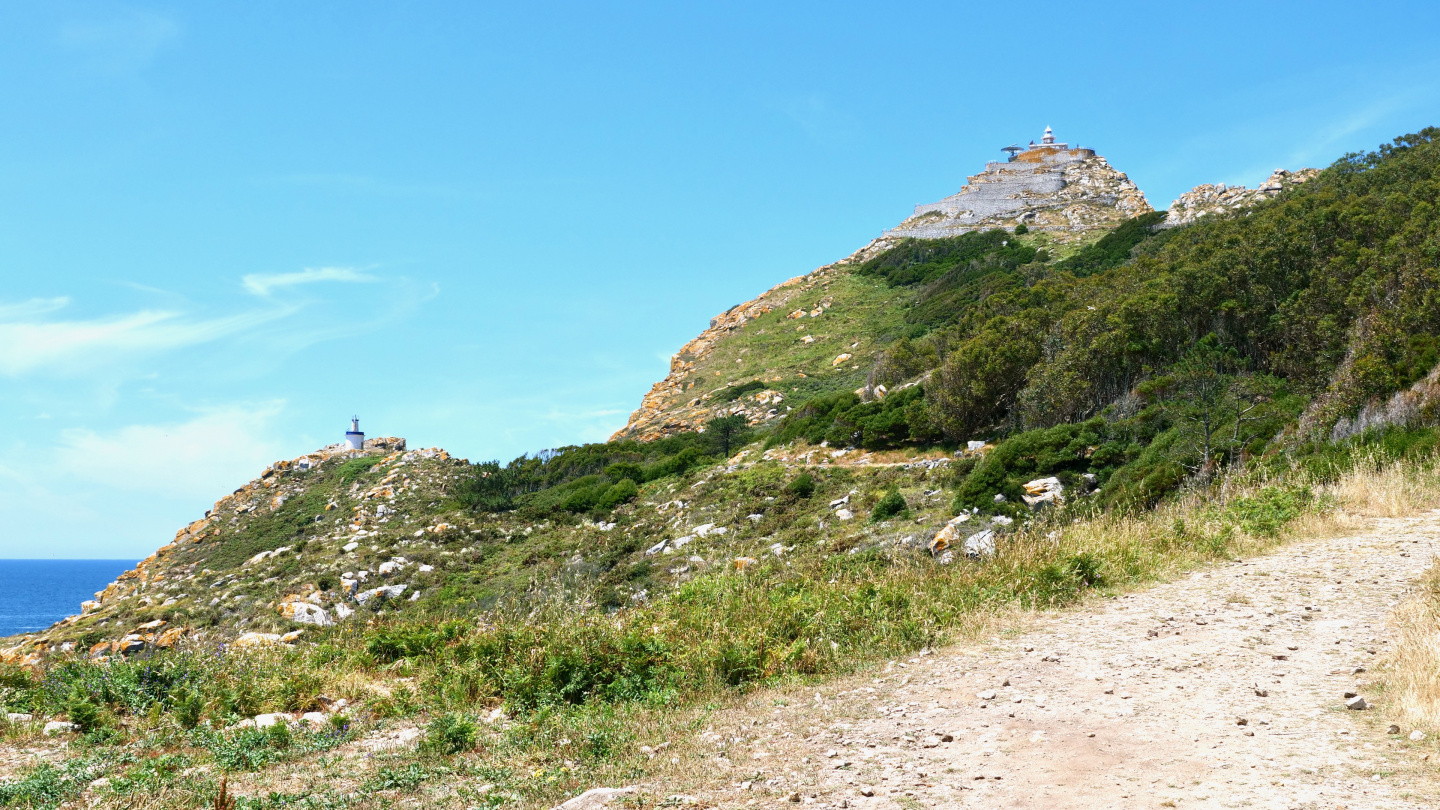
[(1411, 672)]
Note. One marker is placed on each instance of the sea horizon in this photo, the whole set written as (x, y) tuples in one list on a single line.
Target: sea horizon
[(36, 592)]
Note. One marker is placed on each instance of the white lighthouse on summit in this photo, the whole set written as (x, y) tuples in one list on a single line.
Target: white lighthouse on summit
[(354, 439)]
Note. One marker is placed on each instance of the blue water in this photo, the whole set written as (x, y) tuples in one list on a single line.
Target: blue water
[(35, 594)]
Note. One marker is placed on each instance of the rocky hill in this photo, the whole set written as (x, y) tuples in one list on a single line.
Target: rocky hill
[(823, 332), (1218, 199)]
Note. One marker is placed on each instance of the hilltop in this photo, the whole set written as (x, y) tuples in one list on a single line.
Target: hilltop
[(835, 328)]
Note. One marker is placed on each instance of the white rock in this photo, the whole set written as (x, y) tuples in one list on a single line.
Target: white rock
[(844, 514), (306, 613), (425, 569), (383, 592), (59, 727), (657, 548), (315, 719), (981, 544), (268, 720), (595, 798), (343, 611), (703, 529), (838, 502), (19, 717), (988, 694), (1417, 735)]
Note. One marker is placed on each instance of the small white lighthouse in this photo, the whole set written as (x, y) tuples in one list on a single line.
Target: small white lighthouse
[(354, 439)]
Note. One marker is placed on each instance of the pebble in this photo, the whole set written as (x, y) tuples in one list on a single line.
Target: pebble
[(1417, 735)]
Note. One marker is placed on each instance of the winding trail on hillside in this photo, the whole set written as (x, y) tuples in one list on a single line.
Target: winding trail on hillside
[(1136, 701)]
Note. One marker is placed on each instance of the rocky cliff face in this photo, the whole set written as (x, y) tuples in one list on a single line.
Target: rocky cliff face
[(1048, 188), (1214, 199)]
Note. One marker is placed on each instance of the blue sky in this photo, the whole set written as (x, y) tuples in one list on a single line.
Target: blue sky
[(225, 227)]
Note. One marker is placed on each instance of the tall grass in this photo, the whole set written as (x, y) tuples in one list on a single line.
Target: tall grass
[(583, 687)]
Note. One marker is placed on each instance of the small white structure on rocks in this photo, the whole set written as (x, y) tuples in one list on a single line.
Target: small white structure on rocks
[(354, 439)]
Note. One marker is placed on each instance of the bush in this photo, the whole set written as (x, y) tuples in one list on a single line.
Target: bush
[(889, 506), (802, 487), (450, 734)]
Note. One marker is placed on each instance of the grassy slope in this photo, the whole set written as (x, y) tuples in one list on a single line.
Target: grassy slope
[(657, 672)]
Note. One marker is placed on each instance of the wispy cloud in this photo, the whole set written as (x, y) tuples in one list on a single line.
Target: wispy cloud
[(33, 308), (31, 343), (263, 283), (204, 457), (122, 43)]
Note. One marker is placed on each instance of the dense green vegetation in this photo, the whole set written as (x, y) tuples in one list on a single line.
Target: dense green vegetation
[(1193, 347), (593, 477)]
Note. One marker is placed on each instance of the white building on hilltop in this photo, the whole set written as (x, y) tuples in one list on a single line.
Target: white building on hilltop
[(354, 439)]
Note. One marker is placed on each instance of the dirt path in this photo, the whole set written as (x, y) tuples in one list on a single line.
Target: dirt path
[(1225, 689)]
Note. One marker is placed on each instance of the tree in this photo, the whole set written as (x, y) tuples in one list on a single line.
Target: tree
[(725, 431), (488, 488), (1216, 405)]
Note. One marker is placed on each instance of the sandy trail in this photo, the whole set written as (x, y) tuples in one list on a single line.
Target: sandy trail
[(1135, 702)]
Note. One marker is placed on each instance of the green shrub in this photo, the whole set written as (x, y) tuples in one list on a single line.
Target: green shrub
[(803, 486), (1267, 511), (450, 734), (616, 494), (889, 506)]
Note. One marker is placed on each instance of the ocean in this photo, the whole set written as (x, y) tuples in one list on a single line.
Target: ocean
[(35, 594)]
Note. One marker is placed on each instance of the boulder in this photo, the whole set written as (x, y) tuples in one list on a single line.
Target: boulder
[(130, 644), (18, 717), (844, 514), (596, 798), (169, 638), (306, 613), (948, 535), (59, 727), (100, 649), (343, 612), (382, 593), (249, 640), (1043, 491), (315, 719), (980, 544), (268, 720)]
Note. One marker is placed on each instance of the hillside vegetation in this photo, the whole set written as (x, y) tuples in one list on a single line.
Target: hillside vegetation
[(1194, 393)]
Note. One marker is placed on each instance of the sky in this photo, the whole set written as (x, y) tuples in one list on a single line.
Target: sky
[(227, 227)]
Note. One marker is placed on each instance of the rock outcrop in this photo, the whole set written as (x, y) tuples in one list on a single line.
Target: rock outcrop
[(1048, 187), (1213, 199)]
